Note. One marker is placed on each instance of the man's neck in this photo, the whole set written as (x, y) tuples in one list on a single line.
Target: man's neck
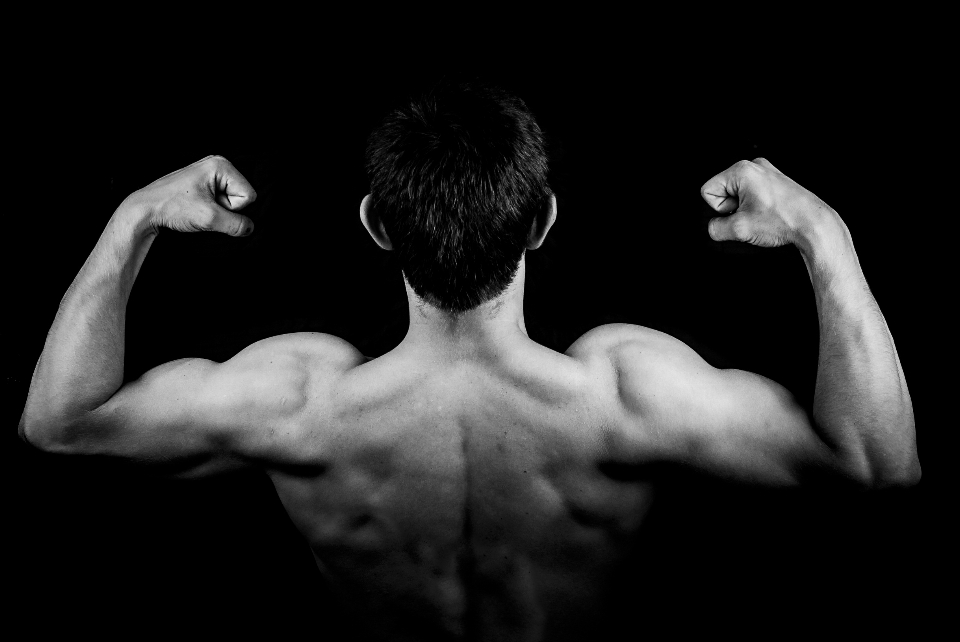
[(485, 329)]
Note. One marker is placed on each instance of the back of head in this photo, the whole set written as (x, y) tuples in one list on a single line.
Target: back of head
[(457, 177)]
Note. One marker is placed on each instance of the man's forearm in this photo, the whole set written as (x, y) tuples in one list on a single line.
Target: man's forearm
[(861, 406), (82, 361)]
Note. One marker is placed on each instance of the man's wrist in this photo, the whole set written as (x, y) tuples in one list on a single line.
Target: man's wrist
[(828, 252), (821, 232), (136, 215)]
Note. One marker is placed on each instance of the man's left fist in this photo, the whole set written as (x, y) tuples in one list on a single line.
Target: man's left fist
[(202, 197)]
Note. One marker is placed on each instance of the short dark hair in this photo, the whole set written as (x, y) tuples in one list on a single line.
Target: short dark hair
[(458, 176)]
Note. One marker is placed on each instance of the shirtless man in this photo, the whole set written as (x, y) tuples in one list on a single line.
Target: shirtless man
[(470, 483)]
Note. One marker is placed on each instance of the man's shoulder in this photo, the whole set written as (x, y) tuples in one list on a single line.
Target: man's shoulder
[(643, 364), (311, 348), (280, 377), (291, 368), (613, 340)]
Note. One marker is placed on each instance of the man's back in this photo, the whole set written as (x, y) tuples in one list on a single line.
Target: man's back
[(466, 495)]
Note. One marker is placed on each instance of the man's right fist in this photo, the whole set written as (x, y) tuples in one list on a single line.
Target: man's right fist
[(764, 206), (199, 198)]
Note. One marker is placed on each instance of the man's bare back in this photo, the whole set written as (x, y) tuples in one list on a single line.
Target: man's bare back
[(466, 495)]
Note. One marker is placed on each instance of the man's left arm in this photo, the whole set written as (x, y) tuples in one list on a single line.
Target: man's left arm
[(76, 385)]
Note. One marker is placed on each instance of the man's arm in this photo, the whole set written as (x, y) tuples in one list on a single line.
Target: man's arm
[(738, 424), (194, 414)]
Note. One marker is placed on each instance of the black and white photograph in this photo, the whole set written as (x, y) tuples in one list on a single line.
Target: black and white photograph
[(597, 347)]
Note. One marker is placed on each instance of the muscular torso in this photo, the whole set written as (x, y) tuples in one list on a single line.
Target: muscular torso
[(466, 499)]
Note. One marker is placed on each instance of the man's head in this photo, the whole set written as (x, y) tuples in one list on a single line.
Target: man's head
[(458, 182)]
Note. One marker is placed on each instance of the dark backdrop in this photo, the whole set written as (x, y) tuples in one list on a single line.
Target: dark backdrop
[(632, 139)]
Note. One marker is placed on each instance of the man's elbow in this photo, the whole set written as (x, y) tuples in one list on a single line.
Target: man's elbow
[(34, 433), (901, 474), (900, 477), (45, 434), (874, 464)]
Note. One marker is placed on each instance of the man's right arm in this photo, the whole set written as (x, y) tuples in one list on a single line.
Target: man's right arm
[(738, 424), (861, 406)]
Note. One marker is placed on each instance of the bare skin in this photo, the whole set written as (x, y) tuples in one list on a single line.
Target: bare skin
[(460, 486)]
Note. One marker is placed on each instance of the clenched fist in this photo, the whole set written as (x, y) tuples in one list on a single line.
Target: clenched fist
[(765, 207), (202, 197)]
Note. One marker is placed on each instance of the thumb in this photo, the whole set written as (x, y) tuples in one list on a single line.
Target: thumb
[(736, 227), (229, 222)]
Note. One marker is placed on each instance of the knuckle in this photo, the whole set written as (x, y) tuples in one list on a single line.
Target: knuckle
[(746, 168), (213, 161)]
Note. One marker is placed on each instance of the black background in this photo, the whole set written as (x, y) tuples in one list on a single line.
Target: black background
[(634, 132)]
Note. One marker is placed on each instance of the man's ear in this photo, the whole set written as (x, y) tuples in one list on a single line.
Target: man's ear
[(374, 225), (542, 224)]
